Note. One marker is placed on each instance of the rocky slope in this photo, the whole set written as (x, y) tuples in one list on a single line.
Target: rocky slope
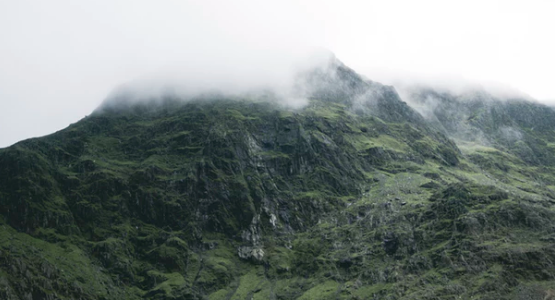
[(515, 125), (354, 196)]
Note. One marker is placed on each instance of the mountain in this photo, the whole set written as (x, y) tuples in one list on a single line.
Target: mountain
[(519, 126), (355, 195)]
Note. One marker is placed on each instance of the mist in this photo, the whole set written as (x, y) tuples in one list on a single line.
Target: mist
[(268, 73), (61, 59)]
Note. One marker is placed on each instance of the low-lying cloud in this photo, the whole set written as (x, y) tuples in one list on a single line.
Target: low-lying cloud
[(61, 58), (276, 73)]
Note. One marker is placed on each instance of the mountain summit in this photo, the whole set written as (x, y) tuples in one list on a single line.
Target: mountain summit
[(352, 195)]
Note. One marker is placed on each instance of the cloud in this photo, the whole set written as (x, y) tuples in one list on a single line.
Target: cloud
[(61, 58), (280, 74)]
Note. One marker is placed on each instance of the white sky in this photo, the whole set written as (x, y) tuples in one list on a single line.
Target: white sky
[(60, 58)]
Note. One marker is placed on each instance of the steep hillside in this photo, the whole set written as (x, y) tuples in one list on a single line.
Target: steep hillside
[(515, 125), (353, 196)]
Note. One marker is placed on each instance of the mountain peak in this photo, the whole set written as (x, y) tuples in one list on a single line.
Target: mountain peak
[(352, 195)]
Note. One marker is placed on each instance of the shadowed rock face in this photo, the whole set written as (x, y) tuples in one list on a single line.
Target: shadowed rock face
[(354, 196)]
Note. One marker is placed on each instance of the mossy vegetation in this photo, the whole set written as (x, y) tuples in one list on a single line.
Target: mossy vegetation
[(246, 199)]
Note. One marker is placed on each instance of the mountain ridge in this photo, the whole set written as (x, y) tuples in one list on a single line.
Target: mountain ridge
[(354, 195)]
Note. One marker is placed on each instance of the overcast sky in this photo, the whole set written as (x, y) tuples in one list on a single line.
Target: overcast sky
[(59, 59)]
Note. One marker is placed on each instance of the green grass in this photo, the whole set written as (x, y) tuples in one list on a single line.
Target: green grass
[(154, 204)]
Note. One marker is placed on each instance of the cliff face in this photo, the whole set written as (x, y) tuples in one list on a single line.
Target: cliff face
[(353, 196)]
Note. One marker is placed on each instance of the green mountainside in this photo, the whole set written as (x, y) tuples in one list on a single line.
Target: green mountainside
[(354, 196), (521, 127)]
